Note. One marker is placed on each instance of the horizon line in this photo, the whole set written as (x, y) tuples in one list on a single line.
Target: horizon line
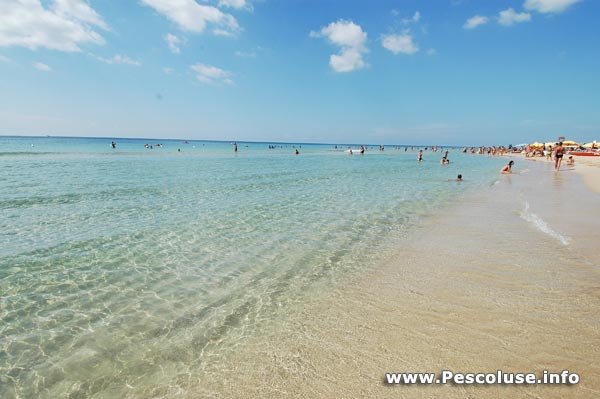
[(230, 141)]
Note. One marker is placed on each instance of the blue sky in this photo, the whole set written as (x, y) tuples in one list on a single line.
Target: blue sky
[(444, 71)]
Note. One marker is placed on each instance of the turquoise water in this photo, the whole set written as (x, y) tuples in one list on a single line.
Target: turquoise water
[(124, 271)]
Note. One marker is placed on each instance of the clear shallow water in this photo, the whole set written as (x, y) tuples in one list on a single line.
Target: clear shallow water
[(132, 267)]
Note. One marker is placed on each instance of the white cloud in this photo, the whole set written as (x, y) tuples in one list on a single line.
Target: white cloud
[(475, 21), (245, 54), (63, 26), (510, 17), (79, 10), (173, 42), (223, 32), (351, 39), (399, 43), (41, 67), (237, 4), (211, 74), (347, 60), (193, 17), (415, 18), (168, 70), (549, 6), (118, 59)]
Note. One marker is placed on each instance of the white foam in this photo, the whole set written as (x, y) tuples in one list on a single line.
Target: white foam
[(542, 226)]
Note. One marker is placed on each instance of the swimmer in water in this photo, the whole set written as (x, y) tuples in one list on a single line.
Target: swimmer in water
[(297, 152), (459, 178), (506, 170)]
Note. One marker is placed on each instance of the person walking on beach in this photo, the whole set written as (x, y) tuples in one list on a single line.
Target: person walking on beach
[(506, 170), (559, 151)]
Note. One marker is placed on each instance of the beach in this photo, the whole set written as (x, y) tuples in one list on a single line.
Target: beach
[(154, 273), (489, 285), (299, 199), (587, 167)]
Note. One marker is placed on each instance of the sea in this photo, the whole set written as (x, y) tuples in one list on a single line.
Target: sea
[(129, 271)]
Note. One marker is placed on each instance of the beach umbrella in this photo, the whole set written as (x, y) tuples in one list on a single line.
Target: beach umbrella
[(536, 144), (593, 144), (570, 143)]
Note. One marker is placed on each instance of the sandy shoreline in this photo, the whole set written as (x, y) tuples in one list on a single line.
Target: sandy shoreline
[(457, 296), (587, 167)]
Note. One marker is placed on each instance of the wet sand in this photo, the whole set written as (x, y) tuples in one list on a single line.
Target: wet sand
[(508, 279), (587, 167)]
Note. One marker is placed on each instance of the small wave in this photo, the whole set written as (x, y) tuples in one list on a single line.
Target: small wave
[(496, 182), (542, 226)]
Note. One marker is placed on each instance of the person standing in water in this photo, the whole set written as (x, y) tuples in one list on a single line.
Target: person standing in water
[(559, 151), (113, 144), (420, 158), (235, 147), (297, 152)]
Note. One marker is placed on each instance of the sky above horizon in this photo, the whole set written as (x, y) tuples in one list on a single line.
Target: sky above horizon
[(453, 72)]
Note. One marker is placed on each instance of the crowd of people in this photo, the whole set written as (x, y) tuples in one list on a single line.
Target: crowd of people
[(555, 152), (551, 152)]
